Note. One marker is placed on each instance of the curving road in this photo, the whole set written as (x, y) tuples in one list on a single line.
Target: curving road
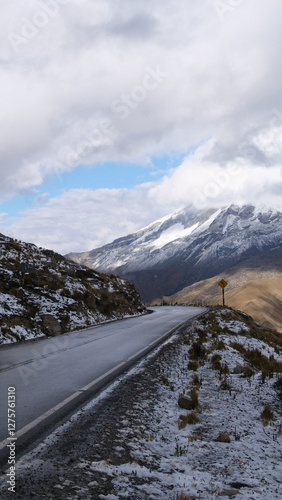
[(52, 377)]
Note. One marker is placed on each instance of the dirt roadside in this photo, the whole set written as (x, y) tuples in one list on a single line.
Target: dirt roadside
[(54, 470)]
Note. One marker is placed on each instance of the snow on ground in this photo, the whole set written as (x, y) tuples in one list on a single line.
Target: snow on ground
[(168, 461), (43, 293), (228, 453)]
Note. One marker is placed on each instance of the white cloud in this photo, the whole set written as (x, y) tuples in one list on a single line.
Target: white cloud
[(76, 70), (83, 219), (223, 78), (206, 183)]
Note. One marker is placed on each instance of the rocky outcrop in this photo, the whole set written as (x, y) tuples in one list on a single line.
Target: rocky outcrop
[(42, 293)]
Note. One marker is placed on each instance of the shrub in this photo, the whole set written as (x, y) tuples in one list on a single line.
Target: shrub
[(202, 334), (197, 351), (278, 387), (187, 340), (216, 357), (238, 347), (190, 419), (215, 362), (27, 279), (225, 386), (193, 365), (66, 292), (179, 451), (225, 369), (164, 380), (267, 415), (194, 399), (268, 365), (77, 295), (247, 371), (223, 438), (256, 359), (196, 382), (273, 366), (219, 345), (15, 245)]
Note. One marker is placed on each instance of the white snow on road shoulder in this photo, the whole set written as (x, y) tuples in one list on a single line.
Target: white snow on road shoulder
[(167, 461)]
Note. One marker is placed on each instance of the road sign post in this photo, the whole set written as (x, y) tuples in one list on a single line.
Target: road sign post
[(223, 284)]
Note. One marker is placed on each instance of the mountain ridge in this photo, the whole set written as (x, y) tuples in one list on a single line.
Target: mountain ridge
[(188, 246)]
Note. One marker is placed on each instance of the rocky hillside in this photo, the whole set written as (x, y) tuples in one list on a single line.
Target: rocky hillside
[(189, 246), (42, 293)]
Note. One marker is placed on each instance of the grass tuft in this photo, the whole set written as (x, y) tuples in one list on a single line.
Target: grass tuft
[(267, 415), (197, 351), (182, 496), (191, 418), (278, 387), (196, 382), (164, 380), (193, 366)]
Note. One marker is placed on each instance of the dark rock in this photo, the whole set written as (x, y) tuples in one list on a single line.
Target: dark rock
[(239, 485), (51, 326), (238, 370), (185, 403)]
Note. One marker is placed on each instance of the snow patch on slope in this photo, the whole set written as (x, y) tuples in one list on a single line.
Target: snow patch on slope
[(173, 233), (211, 219)]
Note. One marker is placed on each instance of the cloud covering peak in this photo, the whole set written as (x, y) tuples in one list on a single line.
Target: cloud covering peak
[(124, 82)]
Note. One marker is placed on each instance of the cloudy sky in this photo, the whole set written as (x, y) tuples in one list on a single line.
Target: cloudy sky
[(117, 112)]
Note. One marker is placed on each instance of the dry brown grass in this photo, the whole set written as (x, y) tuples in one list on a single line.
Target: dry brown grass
[(267, 415), (190, 419), (183, 496), (254, 287)]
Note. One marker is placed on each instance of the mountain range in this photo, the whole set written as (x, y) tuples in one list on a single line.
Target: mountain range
[(192, 245)]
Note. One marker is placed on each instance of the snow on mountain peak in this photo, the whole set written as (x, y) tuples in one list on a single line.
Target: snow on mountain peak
[(188, 246)]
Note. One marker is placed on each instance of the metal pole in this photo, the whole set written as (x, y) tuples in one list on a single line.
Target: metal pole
[(223, 301)]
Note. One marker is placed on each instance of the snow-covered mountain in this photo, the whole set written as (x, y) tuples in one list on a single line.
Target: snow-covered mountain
[(187, 247)]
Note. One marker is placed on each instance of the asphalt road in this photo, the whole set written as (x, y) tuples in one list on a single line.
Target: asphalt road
[(53, 376)]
